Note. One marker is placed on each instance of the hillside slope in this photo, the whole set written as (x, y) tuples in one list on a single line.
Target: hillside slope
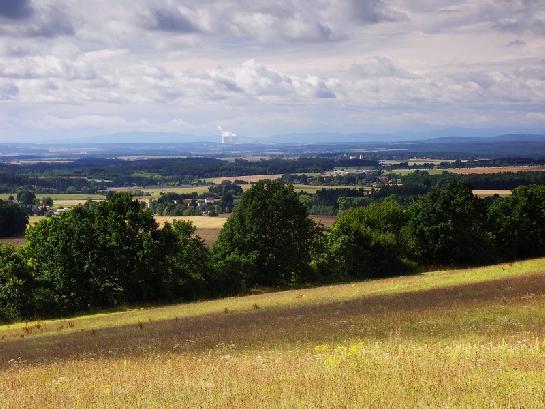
[(448, 338)]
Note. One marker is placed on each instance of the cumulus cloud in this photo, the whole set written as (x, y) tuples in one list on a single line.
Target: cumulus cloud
[(270, 64)]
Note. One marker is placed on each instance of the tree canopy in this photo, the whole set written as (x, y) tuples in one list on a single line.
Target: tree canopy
[(13, 219), (364, 242), (518, 222), (270, 231), (447, 226)]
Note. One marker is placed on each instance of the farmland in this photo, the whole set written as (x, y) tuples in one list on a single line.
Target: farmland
[(247, 178), (208, 228), (446, 338), (496, 169)]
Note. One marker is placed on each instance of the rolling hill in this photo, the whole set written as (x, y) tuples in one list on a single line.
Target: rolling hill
[(452, 338)]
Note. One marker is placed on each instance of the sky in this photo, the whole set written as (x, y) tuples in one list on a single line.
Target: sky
[(81, 68)]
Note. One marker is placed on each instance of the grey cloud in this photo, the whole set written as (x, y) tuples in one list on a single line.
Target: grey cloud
[(15, 9), (514, 16), (380, 67), (51, 23), (525, 24), (271, 22), (373, 12), (8, 92), (227, 85), (46, 22), (322, 91), (516, 43), (172, 21)]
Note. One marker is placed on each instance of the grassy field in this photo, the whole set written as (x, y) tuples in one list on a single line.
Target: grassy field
[(465, 338)]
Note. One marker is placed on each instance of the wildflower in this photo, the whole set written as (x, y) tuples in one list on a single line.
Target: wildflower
[(321, 348)]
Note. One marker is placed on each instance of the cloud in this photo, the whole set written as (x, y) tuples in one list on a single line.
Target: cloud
[(171, 20), (379, 67), (271, 22), (258, 65), (8, 92), (47, 21), (374, 11), (15, 9), (51, 22), (516, 43)]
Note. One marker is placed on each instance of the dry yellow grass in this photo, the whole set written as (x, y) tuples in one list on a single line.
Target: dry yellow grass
[(467, 338)]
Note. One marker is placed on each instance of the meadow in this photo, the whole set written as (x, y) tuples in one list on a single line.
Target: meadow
[(451, 338)]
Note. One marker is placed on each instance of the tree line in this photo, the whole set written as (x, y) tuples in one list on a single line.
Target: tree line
[(114, 252)]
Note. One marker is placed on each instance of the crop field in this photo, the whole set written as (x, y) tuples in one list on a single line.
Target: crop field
[(247, 178), (405, 171), (208, 228), (497, 169), (491, 192), (313, 188), (458, 338), (61, 196)]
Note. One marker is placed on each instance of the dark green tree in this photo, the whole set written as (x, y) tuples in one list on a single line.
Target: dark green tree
[(16, 286), (101, 255), (190, 263), (447, 226), (47, 201), (26, 197), (269, 236), (364, 242), (13, 219), (518, 222)]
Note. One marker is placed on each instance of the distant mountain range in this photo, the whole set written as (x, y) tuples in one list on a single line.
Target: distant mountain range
[(447, 135), (511, 138), (434, 137), (171, 144), (141, 137)]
